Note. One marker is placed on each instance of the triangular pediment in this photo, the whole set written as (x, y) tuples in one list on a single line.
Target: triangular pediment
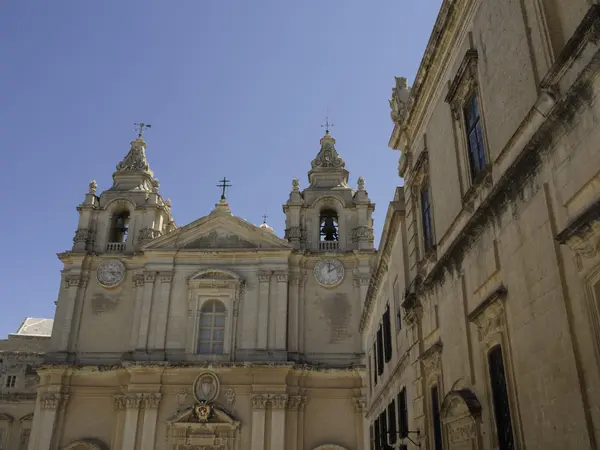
[(220, 232)]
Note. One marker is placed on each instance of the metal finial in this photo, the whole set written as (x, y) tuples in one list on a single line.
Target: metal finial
[(223, 185), (265, 218), (140, 127), (327, 124)]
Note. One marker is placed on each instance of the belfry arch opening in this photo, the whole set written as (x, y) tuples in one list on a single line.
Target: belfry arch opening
[(119, 227), (329, 226)]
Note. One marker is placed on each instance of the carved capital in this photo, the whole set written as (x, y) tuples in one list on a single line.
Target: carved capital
[(128, 401), (489, 316), (149, 277), (360, 404), (264, 276), (138, 280), (361, 281), (278, 401), (281, 277), (294, 402), (151, 400), (70, 281), (259, 401), (52, 401), (82, 235), (166, 277)]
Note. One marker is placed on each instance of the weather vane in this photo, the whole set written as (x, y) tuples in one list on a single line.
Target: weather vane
[(327, 124), (140, 127), (265, 218), (223, 185)]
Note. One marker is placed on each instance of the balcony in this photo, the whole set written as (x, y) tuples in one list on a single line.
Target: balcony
[(329, 246), (115, 247)]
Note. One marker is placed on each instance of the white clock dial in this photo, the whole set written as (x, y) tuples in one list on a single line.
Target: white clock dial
[(110, 273), (329, 272)]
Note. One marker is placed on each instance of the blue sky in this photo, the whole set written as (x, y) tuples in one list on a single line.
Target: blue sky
[(232, 88)]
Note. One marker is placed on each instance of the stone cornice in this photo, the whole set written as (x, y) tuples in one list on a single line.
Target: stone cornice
[(392, 225), (581, 224), (306, 368)]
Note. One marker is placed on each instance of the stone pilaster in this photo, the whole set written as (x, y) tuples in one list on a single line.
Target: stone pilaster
[(50, 404), (293, 316), (142, 341), (259, 405), (151, 402), (278, 408), (162, 311), (362, 427), (138, 285), (262, 328), (131, 403), (73, 283), (280, 310)]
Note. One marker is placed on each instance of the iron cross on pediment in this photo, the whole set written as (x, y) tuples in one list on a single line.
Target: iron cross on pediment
[(223, 185)]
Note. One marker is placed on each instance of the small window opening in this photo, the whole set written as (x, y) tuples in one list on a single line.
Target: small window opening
[(329, 226), (11, 381), (119, 227)]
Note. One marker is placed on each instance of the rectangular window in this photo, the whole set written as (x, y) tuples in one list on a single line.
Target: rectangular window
[(379, 351), (384, 431), (375, 363), (398, 305), (477, 160), (426, 217), (377, 435), (437, 424), (11, 381), (387, 333), (402, 414), (391, 412), (371, 373), (371, 438), (500, 399)]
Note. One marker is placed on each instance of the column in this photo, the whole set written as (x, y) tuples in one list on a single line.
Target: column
[(280, 310), (36, 423), (278, 405), (151, 402), (263, 310), (301, 406), (162, 311), (142, 340), (293, 404), (259, 404), (131, 403), (138, 284), (49, 405)]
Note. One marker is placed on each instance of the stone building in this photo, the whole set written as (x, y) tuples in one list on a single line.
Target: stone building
[(482, 320), (20, 355), (217, 334)]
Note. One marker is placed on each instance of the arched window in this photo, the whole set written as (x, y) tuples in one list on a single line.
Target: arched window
[(211, 333), (119, 227), (329, 225)]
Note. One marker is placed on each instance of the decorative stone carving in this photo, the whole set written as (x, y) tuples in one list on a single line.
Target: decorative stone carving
[(360, 404), (230, 396), (328, 155), (135, 160), (146, 235), (281, 277), (93, 186), (399, 101), (166, 277), (151, 400), (132, 400), (361, 184), (82, 235), (295, 184), (489, 315), (362, 233), (259, 401), (74, 281), (206, 387), (278, 401), (52, 401), (431, 360), (182, 396), (294, 402), (155, 185), (460, 413), (149, 277), (463, 84), (138, 280), (264, 276)]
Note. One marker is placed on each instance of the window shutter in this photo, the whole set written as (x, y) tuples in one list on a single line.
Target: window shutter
[(402, 414), (379, 351), (387, 334), (391, 411), (500, 398), (375, 363), (437, 424)]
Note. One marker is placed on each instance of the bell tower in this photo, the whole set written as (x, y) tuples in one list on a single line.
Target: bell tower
[(127, 215), (329, 216)]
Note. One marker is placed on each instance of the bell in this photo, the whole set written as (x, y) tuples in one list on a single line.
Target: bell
[(329, 230)]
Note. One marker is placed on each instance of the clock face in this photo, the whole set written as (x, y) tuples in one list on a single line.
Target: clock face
[(110, 273), (329, 272)]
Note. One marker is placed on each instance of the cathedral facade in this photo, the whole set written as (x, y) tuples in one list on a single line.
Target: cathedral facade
[(214, 335), (482, 320)]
